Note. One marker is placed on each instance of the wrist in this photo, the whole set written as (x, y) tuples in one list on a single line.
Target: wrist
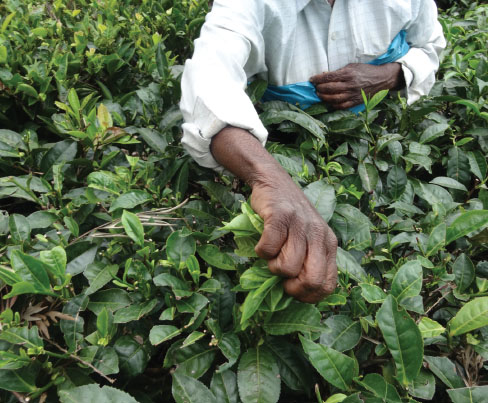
[(242, 154), (396, 79)]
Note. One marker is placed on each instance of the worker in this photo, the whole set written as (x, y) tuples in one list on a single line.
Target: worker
[(323, 49)]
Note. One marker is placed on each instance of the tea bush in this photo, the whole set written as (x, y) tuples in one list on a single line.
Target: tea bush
[(128, 273)]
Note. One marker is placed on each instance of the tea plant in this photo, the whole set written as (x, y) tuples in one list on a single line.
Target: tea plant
[(128, 273)]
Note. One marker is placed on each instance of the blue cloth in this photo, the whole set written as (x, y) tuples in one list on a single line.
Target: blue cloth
[(304, 94)]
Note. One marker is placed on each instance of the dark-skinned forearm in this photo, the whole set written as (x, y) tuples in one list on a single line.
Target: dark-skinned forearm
[(396, 79), (241, 153)]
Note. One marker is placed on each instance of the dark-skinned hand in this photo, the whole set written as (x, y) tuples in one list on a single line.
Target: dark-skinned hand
[(297, 243), (342, 88)]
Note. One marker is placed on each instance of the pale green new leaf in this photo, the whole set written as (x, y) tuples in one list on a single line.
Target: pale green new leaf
[(470, 317), (430, 328), (256, 297), (133, 227)]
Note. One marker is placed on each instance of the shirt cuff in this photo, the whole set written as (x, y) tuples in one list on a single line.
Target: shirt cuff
[(197, 134), (419, 73)]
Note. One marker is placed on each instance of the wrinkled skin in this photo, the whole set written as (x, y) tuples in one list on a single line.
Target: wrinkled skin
[(342, 88), (296, 241)]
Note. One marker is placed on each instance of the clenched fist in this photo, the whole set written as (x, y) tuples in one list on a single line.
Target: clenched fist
[(297, 243)]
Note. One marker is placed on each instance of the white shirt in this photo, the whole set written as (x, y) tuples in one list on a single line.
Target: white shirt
[(288, 41)]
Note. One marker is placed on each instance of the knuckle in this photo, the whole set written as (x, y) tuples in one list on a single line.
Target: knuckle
[(332, 241), (311, 284), (284, 213), (328, 288), (266, 250)]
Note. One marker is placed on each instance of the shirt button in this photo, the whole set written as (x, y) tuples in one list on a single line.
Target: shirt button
[(333, 36)]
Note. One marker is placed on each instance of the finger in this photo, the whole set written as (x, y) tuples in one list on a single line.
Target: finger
[(333, 88), (335, 99), (289, 261), (328, 77), (331, 276), (319, 275), (272, 239), (308, 286)]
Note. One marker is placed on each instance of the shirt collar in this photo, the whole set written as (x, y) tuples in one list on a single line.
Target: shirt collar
[(301, 4)]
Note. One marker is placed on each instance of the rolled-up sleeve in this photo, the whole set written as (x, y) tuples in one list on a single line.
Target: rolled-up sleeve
[(426, 40), (230, 49)]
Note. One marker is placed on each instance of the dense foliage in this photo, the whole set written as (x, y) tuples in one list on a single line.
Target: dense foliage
[(128, 273)]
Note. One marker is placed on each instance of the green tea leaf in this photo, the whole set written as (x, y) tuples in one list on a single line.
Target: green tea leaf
[(437, 239), (372, 293), (423, 386), (432, 132), (403, 339), (348, 265), (258, 377), (369, 176), (472, 395), (93, 392), (161, 333), (186, 389), (396, 181), (377, 385), (132, 355), (256, 297), (133, 227), (335, 367), (180, 247), (448, 183), (161, 61), (130, 200), (407, 282), (341, 333), (135, 311), (470, 317), (19, 228), (224, 387), (23, 336), (464, 272), (55, 259), (32, 271), (214, 257), (464, 224), (23, 380), (445, 370), (430, 328), (298, 317), (322, 196), (194, 360), (295, 370), (99, 275)]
